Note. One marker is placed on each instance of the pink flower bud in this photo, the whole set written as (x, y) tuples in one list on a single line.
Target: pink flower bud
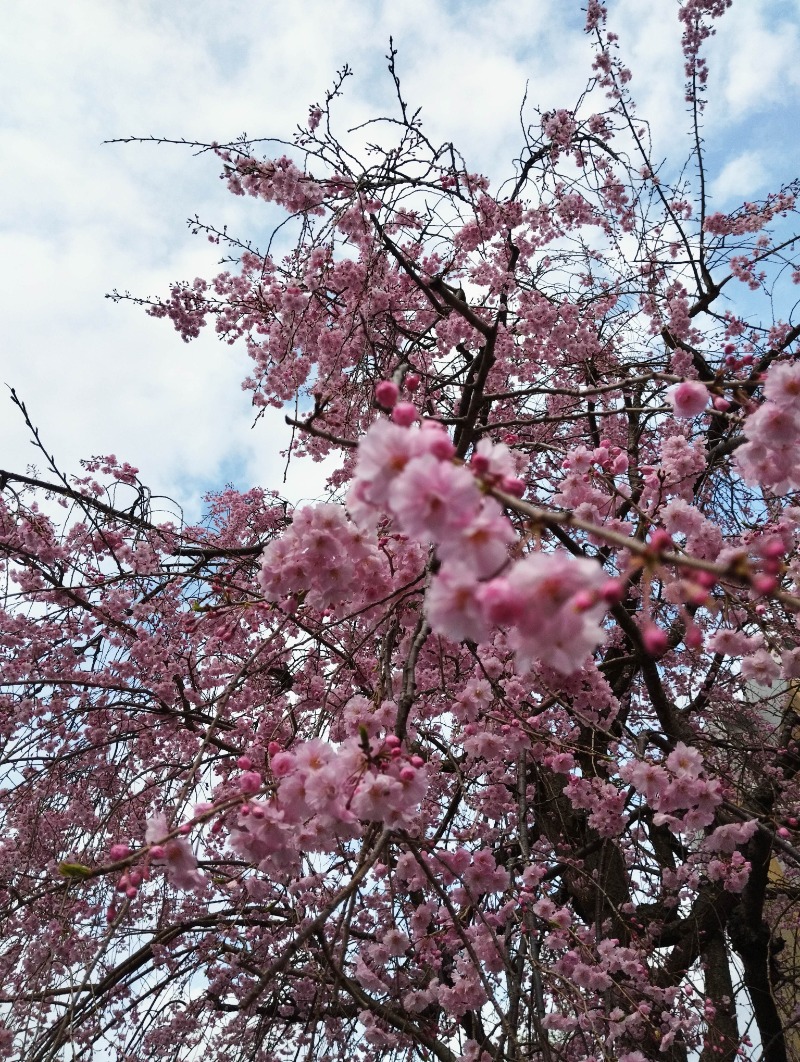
[(392, 740), (696, 595), (404, 414), (244, 762), (513, 485), (655, 640), (387, 393), (705, 579), (765, 584), (273, 747), (693, 639), (613, 591), (157, 851), (135, 878), (131, 893), (408, 774), (660, 540), (773, 548), (583, 600), (688, 399), (185, 829), (721, 404), (783, 832), (118, 851), (441, 446), (412, 382), (250, 782), (479, 464)]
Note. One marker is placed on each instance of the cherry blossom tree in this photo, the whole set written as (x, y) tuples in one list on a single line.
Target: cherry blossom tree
[(492, 754)]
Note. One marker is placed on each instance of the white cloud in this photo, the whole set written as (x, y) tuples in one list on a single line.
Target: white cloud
[(82, 218), (743, 177), (756, 48)]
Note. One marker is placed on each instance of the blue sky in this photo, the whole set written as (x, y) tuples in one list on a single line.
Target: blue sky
[(82, 218)]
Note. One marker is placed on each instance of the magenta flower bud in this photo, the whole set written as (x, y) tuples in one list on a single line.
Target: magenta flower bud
[(386, 394), (408, 774), (244, 762), (118, 851), (157, 851), (273, 747), (412, 382), (404, 414)]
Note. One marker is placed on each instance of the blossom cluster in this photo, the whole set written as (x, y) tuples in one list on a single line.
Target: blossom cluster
[(769, 457), (278, 181), (680, 784), (550, 603), (322, 793), (326, 556)]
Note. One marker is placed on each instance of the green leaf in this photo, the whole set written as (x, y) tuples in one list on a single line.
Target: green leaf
[(74, 870)]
